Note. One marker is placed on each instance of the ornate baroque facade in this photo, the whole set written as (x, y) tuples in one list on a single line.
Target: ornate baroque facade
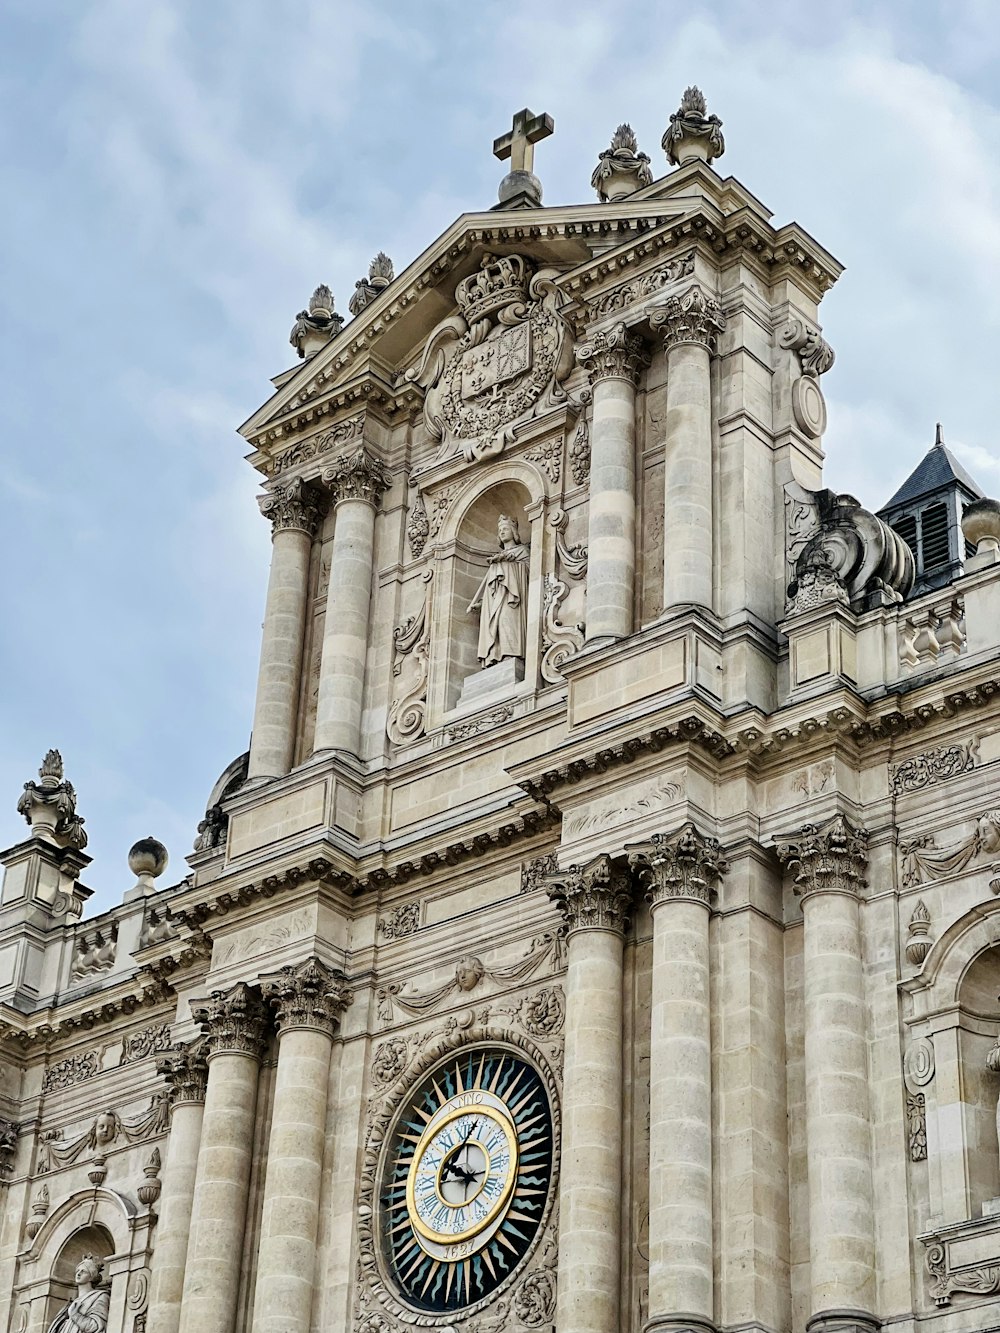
[(601, 932)]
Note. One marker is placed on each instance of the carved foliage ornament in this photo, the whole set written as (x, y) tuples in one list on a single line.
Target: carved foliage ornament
[(693, 317), (596, 896), (680, 267), (613, 353), (559, 641), (684, 864), (186, 1072), (304, 450), (499, 362), (358, 476), (234, 1022), (849, 556), (411, 640), (296, 506), (827, 858), (307, 995), (815, 356)]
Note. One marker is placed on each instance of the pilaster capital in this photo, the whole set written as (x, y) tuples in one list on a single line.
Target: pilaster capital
[(692, 317), (596, 896), (234, 1022), (684, 864), (358, 475), (297, 505), (185, 1070), (307, 995), (614, 353), (827, 858)]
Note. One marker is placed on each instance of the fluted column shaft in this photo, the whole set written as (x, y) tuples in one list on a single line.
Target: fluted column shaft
[(829, 865), (680, 872), (595, 902), (308, 1000), (356, 483), (186, 1072), (690, 325), (294, 513), (234, 1023), (614, 359)]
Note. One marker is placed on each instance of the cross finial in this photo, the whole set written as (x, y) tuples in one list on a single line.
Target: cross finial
[(519, 143)]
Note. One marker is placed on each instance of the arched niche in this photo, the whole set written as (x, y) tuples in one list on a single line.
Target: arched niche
[(95, 1240), (978, 1027), (475, 539)]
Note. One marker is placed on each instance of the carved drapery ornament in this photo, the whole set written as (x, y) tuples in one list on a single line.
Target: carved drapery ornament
[(613, 353), (692, 317), (307, 995), (358, 476), (684, 864), (234, 1022), (596, 896), (297, 506), (827, 858), (185, 1070), (49, 805)]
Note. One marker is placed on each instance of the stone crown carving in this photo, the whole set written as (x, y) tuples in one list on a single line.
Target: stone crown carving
[(358, 476), (684, 864), (691, 127), (500, 282), (296, 506), (185, 1070), (307, 995), (50, 804), (827, 858), (621, 169), (234, 1022), (692, 317), (613, 353), (596, 896)]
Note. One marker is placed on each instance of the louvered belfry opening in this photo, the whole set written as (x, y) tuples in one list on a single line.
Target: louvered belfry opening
[(927, 511)]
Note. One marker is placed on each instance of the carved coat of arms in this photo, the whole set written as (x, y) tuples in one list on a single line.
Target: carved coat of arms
[(498, 363)]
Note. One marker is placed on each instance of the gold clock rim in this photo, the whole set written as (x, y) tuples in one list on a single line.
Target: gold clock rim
[(509, 1129)]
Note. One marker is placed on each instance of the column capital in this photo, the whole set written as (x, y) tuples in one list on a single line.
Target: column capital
[(234, 1022), (596, 896), (827, 858), (307, 995), (296, 505), (358, 475), (614, 353), (684, 864), (185, 1069), (692, 317)]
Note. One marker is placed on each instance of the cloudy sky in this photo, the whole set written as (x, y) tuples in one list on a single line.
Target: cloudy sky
[(179, 175)]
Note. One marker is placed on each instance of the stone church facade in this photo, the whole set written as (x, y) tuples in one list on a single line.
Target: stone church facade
[(601, 931)]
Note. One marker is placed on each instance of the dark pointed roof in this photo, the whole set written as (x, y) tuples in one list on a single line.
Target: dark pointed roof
[(937, 469)]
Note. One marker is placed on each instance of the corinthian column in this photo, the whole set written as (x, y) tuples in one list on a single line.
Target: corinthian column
[(680, 872), (690, 325), (308, 1001), (356, 482), (294, 511), (595, 902), (186, 1072), (614, 360), (829, 863), (235, 1025)]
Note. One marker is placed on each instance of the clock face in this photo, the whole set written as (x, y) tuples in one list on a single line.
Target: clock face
[(466, 1179)]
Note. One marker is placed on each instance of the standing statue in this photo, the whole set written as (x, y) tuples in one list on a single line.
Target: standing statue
[(88, 1312), (503, 597)]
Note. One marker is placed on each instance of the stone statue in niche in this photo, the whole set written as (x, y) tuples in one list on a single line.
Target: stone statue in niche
[(88, 1311), (502, 598)]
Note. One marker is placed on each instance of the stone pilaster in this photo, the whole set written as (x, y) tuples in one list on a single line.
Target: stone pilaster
[(186, 1072), (680, 872), (595, 901), (614, 359), (690, 325), (356, 483), (828, 863), (308, 1000), (235, 1027), (294, 511)]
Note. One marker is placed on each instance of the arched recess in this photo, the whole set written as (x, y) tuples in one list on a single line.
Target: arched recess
[(465, 542), (101, 1222), (957, 998)]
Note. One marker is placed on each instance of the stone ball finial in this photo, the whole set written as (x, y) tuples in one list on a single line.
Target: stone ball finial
[(147, 859), (981, 526)]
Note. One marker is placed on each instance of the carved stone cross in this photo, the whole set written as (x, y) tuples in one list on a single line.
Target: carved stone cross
[(519, 143)]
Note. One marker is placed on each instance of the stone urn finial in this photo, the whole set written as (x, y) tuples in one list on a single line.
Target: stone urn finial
[(49, 805), (315, 326), (692, 133), (621, 169), (380, 274), (981, 528)]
